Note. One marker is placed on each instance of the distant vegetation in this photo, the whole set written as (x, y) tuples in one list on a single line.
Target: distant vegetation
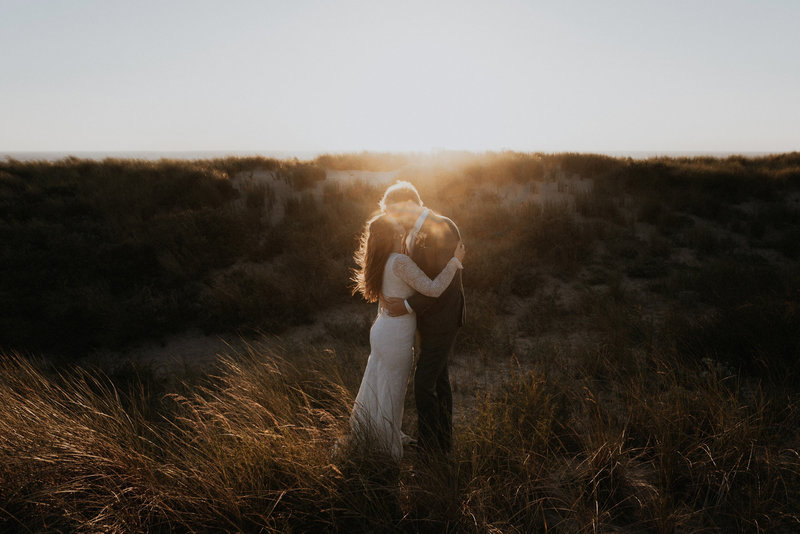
[(636, 321), (106, 254)]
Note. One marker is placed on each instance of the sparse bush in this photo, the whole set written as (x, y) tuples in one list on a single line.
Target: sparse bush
[(599, 207), (648, 268), (351, 330), (756, 338), (788, 243), (587, 165), (250, 298), (526, 281), (651, 211), (543, 313), (552, 235), (364, 161), (487, 332), (303, 175)]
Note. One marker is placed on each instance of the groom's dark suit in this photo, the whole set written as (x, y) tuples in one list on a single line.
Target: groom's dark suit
[(438, 321)]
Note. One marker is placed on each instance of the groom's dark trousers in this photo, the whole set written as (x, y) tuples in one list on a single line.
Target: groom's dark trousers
[(438, 321), (432, 393)]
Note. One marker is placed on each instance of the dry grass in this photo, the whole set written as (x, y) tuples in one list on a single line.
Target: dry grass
[(650, 325), (581, 443)]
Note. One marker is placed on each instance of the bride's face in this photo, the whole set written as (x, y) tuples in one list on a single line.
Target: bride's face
[(404, 212)]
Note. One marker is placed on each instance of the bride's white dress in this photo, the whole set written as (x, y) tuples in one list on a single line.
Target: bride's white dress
[(378, 411)]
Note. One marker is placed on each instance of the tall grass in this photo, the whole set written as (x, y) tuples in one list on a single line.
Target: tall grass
[(580, 443), (651, 329)]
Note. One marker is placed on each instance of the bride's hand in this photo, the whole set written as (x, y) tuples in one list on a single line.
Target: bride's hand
[(460, 251)]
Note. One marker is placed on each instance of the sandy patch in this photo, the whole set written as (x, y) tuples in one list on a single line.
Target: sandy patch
[(383, 178), (562, 190)]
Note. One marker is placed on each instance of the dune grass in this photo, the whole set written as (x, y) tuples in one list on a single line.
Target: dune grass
[(583, 442), (633, 346)]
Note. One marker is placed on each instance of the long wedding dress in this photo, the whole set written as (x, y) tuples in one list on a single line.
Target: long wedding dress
[(378, 411)]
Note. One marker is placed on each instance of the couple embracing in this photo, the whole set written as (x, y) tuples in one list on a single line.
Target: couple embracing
[(409, 261)]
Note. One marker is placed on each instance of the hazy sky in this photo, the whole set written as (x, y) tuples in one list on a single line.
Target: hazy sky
[(402, 75)]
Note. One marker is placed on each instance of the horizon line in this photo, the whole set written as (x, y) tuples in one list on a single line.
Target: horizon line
[(51, 155)]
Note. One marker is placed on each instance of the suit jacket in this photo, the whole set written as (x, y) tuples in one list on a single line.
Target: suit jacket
[(433, 248)]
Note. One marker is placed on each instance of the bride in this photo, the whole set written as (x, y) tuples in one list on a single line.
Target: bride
[(378, 411)]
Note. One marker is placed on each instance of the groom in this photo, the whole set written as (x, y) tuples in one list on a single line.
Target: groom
[(430, 241)]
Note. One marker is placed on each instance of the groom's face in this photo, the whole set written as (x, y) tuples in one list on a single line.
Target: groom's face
[(405, 213)]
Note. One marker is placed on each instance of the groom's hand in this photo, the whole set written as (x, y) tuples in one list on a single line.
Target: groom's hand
[(394, 306)]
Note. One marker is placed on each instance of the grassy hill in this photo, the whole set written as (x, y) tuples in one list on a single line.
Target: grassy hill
[(630, 360)]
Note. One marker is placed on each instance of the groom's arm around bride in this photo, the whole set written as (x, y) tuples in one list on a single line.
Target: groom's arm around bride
[(433, 239), (431, 251)]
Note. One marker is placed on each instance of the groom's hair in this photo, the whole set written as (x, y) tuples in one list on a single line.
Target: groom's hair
[(401, 191)]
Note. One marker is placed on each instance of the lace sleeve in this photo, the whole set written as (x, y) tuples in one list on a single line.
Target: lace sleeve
[(405, 268)]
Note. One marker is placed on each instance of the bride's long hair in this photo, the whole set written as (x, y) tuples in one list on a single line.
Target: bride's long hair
[(375, 246)]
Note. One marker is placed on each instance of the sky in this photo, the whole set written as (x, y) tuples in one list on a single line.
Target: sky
[(343, 76)]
